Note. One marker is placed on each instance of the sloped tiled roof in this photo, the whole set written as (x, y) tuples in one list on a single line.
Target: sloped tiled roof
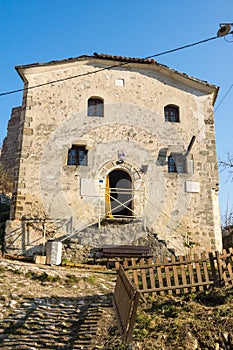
[(122, 61), (123, 58)]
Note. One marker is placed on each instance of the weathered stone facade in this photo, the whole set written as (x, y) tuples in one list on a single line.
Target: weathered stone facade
[(12, 144), (53, 199)]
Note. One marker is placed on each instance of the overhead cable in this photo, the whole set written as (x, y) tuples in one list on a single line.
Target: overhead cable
[(108, 67), (223, 98)]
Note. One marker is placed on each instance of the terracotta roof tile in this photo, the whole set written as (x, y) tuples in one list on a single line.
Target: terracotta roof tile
[(123, 58)]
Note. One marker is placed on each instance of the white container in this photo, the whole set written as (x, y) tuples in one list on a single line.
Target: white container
[(53, 253)]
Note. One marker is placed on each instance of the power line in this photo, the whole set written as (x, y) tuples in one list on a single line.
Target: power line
[(109, 67), (223, 98), (184, 47)]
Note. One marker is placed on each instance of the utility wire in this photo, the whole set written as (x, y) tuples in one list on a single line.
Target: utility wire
[(223, 98), (109, 67)]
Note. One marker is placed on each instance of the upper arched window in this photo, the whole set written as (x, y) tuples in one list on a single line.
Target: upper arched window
[(95, 107), (171, 113)]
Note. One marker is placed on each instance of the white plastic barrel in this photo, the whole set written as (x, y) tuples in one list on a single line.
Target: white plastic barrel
[(53, 253)]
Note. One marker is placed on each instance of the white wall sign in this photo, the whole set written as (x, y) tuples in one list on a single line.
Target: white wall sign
[(192, 186)]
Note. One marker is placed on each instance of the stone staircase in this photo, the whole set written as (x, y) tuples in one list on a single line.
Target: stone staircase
[(60, 323), (53, 315), (79, 248)]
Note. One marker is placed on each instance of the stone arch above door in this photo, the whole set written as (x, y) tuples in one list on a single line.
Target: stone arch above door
[(128, 167)]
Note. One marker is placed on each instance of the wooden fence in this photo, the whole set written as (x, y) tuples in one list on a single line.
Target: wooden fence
[(125, 303), (179, 275), (182, 274)]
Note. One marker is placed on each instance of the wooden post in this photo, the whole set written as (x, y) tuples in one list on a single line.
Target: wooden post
[(44, 237)]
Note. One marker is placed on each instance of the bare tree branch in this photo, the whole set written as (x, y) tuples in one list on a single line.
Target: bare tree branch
[(228, 163)]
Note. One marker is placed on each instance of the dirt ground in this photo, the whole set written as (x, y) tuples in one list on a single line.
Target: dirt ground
[(53, 307)]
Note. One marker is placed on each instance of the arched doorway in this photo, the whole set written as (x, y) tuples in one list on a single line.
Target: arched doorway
[(119, 202)]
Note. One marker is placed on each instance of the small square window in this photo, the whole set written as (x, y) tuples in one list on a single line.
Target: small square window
[(77, 155), (119, 82), (177, 163)]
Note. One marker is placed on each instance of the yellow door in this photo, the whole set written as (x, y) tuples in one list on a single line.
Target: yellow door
[(108, 200)]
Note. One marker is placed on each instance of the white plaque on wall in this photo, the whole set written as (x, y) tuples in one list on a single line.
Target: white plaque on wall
[(91, 187), (192, 186)]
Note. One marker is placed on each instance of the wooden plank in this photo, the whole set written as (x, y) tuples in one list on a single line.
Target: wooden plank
[(175, 275), (135, 274), (184, 286), (229, 276), (125, 264), (190, 272), (221, 261), (171, 263), (139, 264), (230, 267), (143, 273), (167, 275), (125, 302), (160, 275), (126, 248), (125, 251), (117, 265), (183, 273), (198, 272), (132, 319), (220, 268), (214, 264), (226, 280), (151, 275), (205, 268)]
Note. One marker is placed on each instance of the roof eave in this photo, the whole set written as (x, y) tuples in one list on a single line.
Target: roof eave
[(124, 60)]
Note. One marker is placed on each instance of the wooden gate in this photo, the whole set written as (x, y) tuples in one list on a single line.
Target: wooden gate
[(125, 303)]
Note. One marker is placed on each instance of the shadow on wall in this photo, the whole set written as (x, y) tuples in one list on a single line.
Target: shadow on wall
[(4, 216)]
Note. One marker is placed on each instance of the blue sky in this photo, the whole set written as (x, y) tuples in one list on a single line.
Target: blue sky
[(44, 30)]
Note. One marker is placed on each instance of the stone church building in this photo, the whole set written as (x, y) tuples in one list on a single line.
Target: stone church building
[(112, 150)]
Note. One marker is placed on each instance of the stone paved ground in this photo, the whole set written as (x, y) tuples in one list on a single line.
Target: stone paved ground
[(43, 307)]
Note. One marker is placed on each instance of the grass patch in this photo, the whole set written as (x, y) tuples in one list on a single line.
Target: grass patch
[(72, 279), (114, 342), (204, 319), (90, 279), (44, 277), (30, 274)]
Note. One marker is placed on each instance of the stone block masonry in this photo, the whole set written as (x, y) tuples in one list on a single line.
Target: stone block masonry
[(61, 121)]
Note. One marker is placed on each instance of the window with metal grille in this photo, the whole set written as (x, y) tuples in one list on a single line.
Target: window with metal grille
[(95, 107), (177, 163), (171, 114), (77, 155)]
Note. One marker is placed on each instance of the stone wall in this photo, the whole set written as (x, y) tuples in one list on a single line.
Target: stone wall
[(78, 253), (11, 144), (56, 118)]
